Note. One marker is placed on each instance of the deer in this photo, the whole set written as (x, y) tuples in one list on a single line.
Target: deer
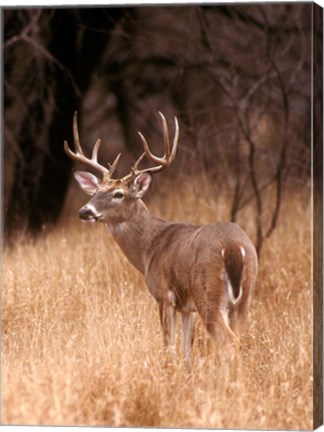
[(188, 269)]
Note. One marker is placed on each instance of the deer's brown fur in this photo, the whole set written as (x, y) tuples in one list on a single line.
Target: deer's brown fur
[(208, 269)]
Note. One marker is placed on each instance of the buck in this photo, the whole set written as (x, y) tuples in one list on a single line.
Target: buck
[(207, 269)]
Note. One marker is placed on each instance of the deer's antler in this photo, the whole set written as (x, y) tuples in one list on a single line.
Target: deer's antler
[(163, 162), (79, 156)]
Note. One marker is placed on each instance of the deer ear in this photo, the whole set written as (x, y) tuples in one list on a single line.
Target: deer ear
[(87, 181), (141, 184)]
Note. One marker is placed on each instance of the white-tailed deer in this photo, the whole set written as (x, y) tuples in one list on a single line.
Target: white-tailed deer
[(187, 268)]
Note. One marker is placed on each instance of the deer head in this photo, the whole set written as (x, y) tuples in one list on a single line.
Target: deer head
[(113, 199)]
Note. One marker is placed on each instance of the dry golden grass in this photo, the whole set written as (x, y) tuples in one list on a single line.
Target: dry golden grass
[(81, 341)]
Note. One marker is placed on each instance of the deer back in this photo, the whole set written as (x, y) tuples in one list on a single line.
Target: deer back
[(191, 261)]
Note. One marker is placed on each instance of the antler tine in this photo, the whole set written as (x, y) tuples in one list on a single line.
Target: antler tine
[(147, 150), (163, 162), (113, 166), (76, 133), (95, 150), (139, 160), (134, 170), (166, 138), (175, 140), (168, 157), (80, 157)]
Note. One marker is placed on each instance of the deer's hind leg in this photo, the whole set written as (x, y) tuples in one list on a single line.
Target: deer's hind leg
[(213, 306)]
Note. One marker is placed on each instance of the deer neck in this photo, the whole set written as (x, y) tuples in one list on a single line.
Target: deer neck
[(133, 234)]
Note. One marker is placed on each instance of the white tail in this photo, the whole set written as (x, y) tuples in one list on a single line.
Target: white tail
[(210, 269)]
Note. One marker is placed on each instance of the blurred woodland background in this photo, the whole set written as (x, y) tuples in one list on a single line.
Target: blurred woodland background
[(238, 77)]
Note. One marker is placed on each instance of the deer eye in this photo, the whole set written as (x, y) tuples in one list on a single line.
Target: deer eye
[(118, 195)]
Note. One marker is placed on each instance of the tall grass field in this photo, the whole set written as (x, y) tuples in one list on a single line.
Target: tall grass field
[(81, 340)]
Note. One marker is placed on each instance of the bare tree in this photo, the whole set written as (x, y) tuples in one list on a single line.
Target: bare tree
[(237, 77), (49, 55)]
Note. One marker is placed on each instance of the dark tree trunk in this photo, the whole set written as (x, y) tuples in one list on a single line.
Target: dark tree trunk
[(41, 174)]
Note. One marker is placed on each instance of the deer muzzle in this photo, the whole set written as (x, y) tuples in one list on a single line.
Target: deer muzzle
[(88, 213)]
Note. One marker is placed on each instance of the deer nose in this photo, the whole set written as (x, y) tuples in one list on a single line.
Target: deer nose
[(86, 213)]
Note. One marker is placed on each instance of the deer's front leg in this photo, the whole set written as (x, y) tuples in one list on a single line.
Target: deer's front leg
[(168, 324)]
